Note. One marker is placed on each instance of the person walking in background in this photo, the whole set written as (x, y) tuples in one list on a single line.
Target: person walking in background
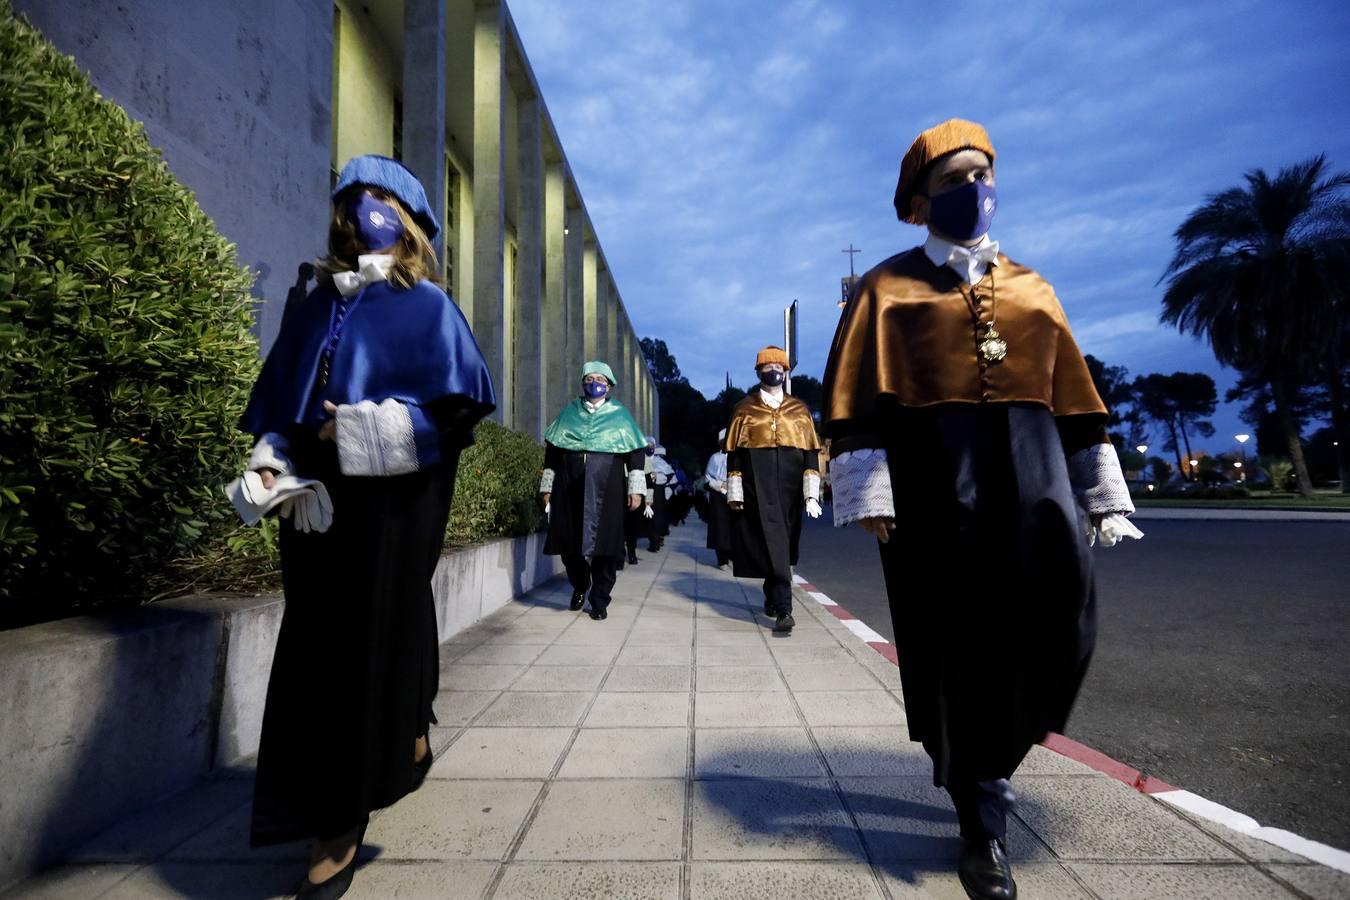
[(719, 514), (967, 436), (662, 480), (593, 455), (371, 390), (772, 477)]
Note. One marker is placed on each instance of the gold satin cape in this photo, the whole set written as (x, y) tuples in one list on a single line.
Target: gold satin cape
[(908, 333), (755, 425)]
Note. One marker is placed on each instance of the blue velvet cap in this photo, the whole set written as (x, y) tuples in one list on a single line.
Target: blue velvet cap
[(397, 179)]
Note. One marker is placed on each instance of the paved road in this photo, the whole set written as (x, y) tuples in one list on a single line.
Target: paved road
[(1223, 664)]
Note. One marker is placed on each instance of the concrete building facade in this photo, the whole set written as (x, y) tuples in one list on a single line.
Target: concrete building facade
[(257, 104)]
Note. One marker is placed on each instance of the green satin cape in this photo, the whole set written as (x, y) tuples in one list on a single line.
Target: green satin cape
[(610, 429)]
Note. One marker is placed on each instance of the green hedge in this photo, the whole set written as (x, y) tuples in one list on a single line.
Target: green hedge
[(497, 491), (125, 350)]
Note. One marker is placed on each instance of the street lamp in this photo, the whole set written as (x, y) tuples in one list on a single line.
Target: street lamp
[(1142, 448), (1242, 440)]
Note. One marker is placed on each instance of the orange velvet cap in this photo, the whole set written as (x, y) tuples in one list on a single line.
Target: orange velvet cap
[(948, 137), (772, 355)]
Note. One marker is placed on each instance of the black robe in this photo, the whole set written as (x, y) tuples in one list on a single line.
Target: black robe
[(589, 501), (990, 580), (356, 667), (719, 523), (765, 535)]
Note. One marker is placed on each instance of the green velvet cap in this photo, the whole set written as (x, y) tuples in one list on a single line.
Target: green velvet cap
[(596, 367)]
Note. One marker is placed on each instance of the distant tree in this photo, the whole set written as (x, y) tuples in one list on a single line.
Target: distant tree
[(1159, 468), (1174, 402), (809, 390), (1261, 272), (660, 361)]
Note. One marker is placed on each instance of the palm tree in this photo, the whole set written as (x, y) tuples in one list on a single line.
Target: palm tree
[(1261, 272)]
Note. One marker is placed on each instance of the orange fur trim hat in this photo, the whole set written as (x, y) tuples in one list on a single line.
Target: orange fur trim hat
[(935, 143), (772, 355)]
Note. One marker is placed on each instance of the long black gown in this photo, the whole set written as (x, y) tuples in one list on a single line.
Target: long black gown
[(990, 580), (356, 666), (767, 532)]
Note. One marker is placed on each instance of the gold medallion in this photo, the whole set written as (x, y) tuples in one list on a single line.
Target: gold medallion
[(993, 348)]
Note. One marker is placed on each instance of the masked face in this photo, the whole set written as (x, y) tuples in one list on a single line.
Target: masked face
[(595, 388), (965, 213), (772, 375), (377, 223)]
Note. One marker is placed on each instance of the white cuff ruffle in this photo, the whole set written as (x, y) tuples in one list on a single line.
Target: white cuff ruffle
[(1098, 482), (735, 490), (546, 482), (861, 484), (637, 482), (271, 453), (1114, 529), (375, 439), (811, 486)]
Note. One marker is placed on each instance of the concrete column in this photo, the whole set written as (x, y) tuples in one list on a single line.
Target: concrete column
[(602, 304), (424, 103), (612, 322), (529, 313), (489, 177), (554, 362), (590, 278), (578, 261)]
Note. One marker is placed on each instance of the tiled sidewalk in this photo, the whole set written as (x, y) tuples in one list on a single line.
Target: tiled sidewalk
[(677, 750)]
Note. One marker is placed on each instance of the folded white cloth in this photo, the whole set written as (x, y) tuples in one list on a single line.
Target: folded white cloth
[(304, 501), (861, 484)]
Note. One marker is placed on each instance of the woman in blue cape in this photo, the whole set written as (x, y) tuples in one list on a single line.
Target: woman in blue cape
[(593, 475), (372, 389)]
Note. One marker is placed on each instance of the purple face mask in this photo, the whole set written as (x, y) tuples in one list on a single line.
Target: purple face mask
[(377, 223), (595, 389), (963, 214)]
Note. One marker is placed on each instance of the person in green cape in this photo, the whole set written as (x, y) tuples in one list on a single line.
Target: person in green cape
[(593, 475)]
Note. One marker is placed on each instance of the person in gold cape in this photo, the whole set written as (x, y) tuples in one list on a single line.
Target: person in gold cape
[(593, 454), (967, 436), (772, 475)]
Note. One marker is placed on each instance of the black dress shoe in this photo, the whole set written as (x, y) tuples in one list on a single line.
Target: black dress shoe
[(578, 600), (599, 614), (338, 884), (784, 624), (984, 870), (632, 558)]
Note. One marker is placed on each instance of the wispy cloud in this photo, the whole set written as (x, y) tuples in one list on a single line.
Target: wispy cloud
[(729, 151)]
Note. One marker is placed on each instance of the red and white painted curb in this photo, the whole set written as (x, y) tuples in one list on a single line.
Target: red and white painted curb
[(1147, 784)]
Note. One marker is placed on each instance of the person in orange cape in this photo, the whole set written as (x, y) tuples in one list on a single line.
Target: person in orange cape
[(772, 476), (967, 436)]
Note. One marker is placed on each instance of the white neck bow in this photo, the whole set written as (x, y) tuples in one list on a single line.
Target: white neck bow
[(370, 268)]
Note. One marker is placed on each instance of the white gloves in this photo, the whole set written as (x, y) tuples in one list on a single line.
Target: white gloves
[(647, 511), (1113, 529), (813, 508), (303, 500)]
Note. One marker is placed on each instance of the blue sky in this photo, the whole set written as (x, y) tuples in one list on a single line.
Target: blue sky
[(728, 151)]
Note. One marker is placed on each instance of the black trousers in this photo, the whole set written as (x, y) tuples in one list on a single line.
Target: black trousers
[(982, 807), (597, 575), (778, 594)]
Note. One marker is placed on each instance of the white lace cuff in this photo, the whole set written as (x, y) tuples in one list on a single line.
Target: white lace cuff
[(811, 486), (861, 483), (546, 482), (735, 490), (651, 496), (270, 453), (375, 439), (1098, 482), (637, 482)]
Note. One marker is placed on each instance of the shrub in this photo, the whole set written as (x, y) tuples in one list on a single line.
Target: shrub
[(497, 491), (125, 347)]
